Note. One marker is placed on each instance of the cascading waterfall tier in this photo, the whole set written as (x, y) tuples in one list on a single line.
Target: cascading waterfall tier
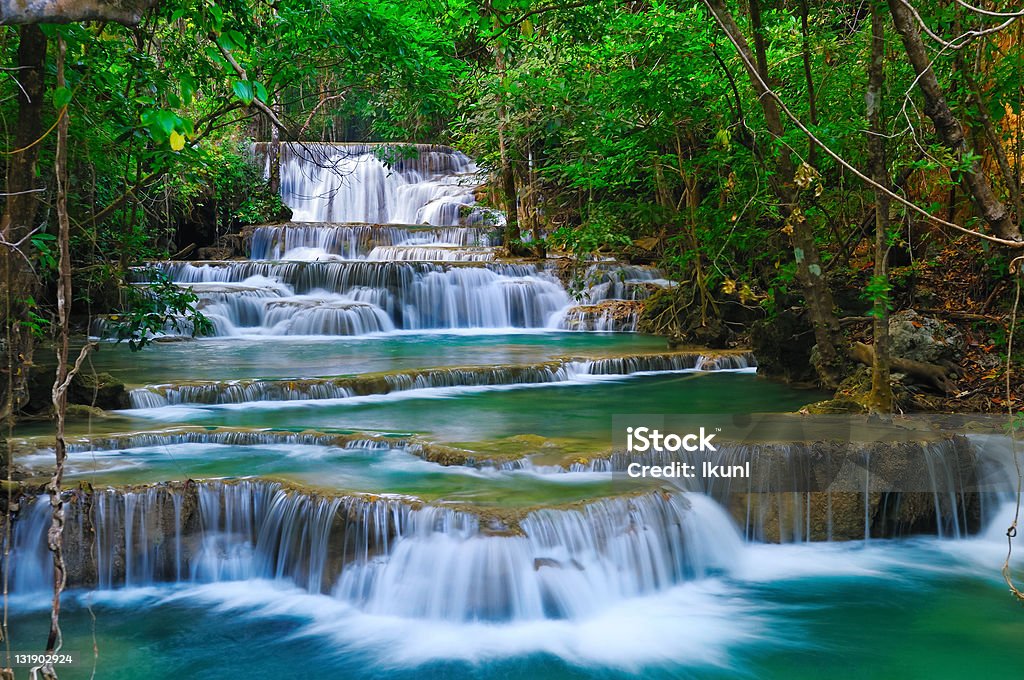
[(560, 564), (297, 241), (559, 370), (400, 253), (382, 554), (621, 316), (351, 298), (208, 532), (379, 183), (612, 281), (226, 436)]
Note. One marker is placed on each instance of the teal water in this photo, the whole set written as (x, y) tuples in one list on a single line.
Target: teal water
[(303, 357), (921, 608), (918, 610), (485, 573), (338, 470), (580, 410)]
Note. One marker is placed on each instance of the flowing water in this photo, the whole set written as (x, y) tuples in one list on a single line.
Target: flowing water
[(396, 457)]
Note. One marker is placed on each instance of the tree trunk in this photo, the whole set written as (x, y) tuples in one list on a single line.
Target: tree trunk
[(880, 398), (812, 101), (948, 127), (19, 286), (512, 237), (998, 150), (817, 295), (274, 154)]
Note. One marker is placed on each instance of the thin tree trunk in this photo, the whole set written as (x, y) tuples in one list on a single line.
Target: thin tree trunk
[(19, 283), (880, 398), (60, 395), (817, 295), (274, 154), (948, 127), (812, 100), (512, 237)]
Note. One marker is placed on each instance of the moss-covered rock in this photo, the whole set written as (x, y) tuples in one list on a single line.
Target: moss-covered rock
[(835, 406), (101, 390)]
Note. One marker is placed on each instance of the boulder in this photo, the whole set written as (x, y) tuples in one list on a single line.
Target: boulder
[(924, 339), (782, 346), (101, 390)]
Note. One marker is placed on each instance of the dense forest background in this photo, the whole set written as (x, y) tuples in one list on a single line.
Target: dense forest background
[(802, 168)]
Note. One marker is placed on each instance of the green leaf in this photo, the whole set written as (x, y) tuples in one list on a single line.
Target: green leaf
[(61, 97), (188, 88), (261, 92), (243, 90), (225, 41), (166, 121), (217, 14)]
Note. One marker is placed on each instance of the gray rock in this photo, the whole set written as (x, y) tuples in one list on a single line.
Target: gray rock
[(923, 338)]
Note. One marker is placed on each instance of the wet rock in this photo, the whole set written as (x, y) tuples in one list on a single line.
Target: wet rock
[(782, 346), (843, 492), (216, 253), (714, 333), (84, 412), (925, 339), (609, 315), (101, 390)]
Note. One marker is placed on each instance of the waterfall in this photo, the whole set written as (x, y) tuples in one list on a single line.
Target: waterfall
[(565, 563), (359, 297), (229, 437), (614, 282), (841, 490), (620, 316), (564, 370), (384, 555), (398, 557), (379, 184), (355, 241), (30, 558), (389, 238)]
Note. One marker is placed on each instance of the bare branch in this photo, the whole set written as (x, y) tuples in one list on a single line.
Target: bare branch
[(768, 92), (990, 13), (963, 40)]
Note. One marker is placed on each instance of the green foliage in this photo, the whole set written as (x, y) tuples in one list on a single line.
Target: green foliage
[(878, 291), (599, 233), (622, 123), (154, 309), (1016, 424), (43, 244), (37, 325)]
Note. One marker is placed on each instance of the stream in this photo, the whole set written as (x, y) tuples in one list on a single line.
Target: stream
[(395, 457)]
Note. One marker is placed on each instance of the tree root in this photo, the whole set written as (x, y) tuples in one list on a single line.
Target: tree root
[(929, 374)]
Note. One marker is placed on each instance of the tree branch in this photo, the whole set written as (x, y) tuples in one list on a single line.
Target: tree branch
[(127, 12), (255, 101)]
